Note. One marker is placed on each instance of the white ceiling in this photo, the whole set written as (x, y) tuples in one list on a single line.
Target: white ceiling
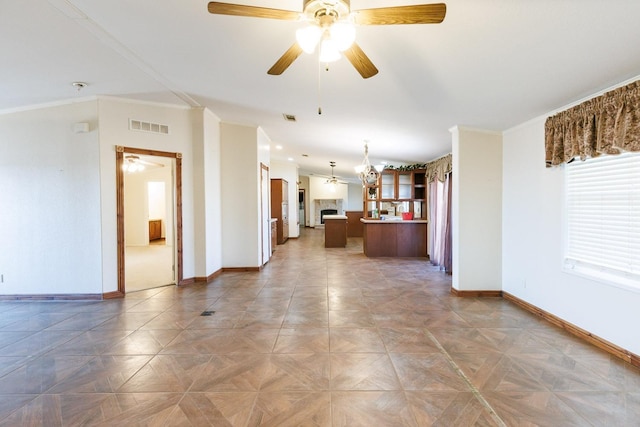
[(491, 64)]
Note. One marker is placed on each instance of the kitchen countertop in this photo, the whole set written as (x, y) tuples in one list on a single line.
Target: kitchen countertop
[(326, 217), (394, 221)]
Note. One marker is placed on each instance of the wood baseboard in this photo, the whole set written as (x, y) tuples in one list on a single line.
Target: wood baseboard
[(601, 343), (112, 295), (585, 335), (231, 269), (202, 279), (475, 294), (187, 281), (51, 297)]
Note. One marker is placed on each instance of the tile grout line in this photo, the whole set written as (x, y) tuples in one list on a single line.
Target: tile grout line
[(466, 379)]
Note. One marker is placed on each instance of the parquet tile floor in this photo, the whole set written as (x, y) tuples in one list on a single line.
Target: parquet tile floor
[(320, 337)]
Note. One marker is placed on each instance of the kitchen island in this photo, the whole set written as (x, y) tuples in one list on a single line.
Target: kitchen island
[(335, 231), (394, 238)]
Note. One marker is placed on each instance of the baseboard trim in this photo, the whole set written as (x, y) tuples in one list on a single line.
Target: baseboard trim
[(112, 295), (231, 269), (52, 297), (475, 294), (601, 343), (187, 281), (207, 279)]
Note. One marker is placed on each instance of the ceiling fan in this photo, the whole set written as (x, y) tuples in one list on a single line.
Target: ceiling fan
[(133, 163), (333, 180), (331, 25)]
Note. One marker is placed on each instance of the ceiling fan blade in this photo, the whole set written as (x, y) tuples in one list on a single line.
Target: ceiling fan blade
[(218, 8), (417, 14), (360, 61), (285, 60)]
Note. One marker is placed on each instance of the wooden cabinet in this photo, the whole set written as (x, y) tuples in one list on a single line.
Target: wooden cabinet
[(274, 234), (155, 229), (396, 192), (354, 226), (395, 238), (335, 231), (280, 208)]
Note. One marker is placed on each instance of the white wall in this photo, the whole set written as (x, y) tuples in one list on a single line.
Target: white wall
[(136, 210), (289, 172), (476, 214), (114, 130), (318, 189), (263, 215), (304, 184), (532, 229), (213, 197), (355, 201), (50, 192), (136, 207), (207, 204), (240, 179)]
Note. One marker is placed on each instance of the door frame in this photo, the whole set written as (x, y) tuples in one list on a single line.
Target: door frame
[(264, 169), (120, 150), (304, 206)]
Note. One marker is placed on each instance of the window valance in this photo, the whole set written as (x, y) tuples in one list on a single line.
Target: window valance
[(439, 168), (607, 124)]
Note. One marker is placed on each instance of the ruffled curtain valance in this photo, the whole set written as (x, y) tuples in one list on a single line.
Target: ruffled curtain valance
[(439, 168), (608, 124)]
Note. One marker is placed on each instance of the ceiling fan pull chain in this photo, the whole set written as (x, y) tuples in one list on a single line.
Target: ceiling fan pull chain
[(319, 92)]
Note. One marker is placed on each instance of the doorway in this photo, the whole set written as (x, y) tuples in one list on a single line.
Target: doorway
[(149, 225), (302, 207), (265, 215)]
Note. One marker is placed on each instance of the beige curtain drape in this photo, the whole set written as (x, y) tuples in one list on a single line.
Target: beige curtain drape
[(438, 174), (607, 124), (439, 168)]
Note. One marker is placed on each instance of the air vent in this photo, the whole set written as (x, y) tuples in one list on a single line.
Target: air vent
[(139, 125), (289, 117)]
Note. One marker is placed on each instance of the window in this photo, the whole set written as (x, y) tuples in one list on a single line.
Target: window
[(603, 218)]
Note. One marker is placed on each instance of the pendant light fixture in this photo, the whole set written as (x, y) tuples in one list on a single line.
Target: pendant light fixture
[(368, 174)]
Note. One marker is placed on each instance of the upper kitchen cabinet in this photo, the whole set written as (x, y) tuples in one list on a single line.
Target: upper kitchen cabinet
[(396, 191)]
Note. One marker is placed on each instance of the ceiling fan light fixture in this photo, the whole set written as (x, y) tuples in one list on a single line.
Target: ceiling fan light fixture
[(343, 35), (132, 167), (329, 51), (308, 37)]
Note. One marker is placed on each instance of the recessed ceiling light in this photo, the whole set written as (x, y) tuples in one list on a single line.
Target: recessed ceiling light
[(290, 159), (278, 147)]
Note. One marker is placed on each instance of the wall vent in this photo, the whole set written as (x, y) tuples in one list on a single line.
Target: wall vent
[(289, 117), (139, 125)]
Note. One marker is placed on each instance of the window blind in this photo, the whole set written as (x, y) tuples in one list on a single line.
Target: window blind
[(603, 216)]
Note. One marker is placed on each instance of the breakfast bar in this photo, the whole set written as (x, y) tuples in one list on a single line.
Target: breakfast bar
[(394, 238)]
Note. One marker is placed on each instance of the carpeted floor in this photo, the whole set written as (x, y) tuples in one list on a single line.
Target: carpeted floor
[(148, 267)]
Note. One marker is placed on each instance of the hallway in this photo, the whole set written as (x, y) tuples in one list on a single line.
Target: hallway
[(320, 337)]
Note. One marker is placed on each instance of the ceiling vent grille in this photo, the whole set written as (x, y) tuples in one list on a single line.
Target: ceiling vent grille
[(289, 117), (139, 125)]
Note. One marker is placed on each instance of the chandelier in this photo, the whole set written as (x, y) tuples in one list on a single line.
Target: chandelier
[(368, 174)]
